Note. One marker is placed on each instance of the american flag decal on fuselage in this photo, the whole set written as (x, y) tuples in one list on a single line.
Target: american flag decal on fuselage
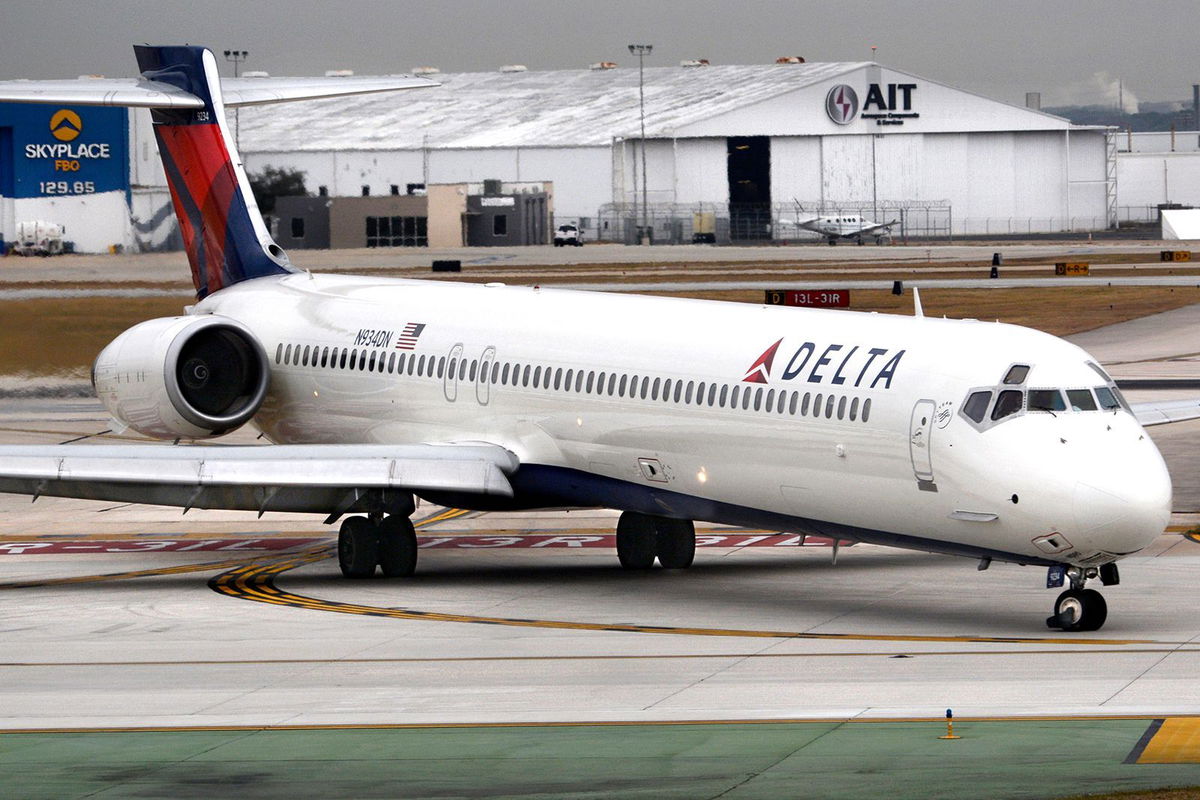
[(408, 336)]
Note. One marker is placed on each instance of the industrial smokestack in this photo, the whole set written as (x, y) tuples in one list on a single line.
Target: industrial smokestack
[(1033, 100)]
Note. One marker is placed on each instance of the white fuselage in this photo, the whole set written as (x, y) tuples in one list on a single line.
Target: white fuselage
[(854, 427)]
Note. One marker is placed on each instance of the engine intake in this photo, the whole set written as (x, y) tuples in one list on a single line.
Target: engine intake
[(183, 377)]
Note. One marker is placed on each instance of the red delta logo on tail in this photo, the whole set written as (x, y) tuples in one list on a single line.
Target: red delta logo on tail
[(760, 370)]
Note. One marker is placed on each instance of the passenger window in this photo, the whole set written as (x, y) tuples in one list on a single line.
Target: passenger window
[(841, 407), (770, 399), (591, 381), (612, 383), (678, 390), (279, 353), (854, 409), (287, 355), (325, 357), (1045, 400), (724, 395), (734, 395), (746, 399), (579, 381), (1107, 401), (817, 405), (977, 404), (1081, 400), (829, 408), (624, 384), (804, 404), (645, 385), (495, 370), (712, 395), (373, 354), (687, 395), (795, 400), (1007, 403), (758, 399), (866, 409), (1017, 374)]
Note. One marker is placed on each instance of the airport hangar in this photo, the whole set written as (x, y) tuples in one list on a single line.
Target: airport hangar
[(745, 144), (741, 150)]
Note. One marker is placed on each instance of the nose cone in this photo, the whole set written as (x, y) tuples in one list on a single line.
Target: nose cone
[(1123, 502)]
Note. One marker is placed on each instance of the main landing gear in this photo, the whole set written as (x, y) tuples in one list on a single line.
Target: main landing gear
[(389, 542), (641, 538), (1079, 608)]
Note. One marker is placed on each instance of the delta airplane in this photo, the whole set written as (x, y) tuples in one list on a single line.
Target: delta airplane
[(984, 440), (843, 226)]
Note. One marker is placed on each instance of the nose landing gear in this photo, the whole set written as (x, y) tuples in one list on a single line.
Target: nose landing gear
[(1079, 608)]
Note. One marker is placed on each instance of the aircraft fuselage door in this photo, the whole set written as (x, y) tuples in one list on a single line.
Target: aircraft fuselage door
[(920, 433), (450, 377), (483, 384)]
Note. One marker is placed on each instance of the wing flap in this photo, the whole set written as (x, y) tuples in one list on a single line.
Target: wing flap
[(287, 477), (1166, 412)]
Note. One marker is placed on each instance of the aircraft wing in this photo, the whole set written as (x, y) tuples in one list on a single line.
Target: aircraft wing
[(321, 478), (1166, 412), (876, 227), (142, 93)]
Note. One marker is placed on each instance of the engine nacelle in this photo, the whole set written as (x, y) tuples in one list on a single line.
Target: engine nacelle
[(183, 377)]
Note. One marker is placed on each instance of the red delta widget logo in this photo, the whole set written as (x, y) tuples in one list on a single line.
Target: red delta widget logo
[(837, 364)]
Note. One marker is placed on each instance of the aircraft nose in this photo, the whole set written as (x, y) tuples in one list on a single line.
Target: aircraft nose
[(1121, 504)]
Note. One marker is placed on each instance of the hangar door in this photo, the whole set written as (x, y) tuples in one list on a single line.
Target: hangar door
[(749, 166)]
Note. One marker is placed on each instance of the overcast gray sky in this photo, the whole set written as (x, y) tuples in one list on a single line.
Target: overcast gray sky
[(1070, 51)]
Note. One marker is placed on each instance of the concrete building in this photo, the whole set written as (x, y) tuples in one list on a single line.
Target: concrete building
[(488, 214), (1157, 169)]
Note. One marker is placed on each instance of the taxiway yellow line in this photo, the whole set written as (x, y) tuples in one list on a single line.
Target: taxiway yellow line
[(1177, 741), (255, 582)]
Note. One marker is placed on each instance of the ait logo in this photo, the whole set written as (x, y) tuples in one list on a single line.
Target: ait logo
[(841, 104), (65, 125), (760, 370)]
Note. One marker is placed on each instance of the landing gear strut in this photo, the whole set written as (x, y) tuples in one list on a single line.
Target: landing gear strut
[(389, 543), (1079, 608), (641, 538)]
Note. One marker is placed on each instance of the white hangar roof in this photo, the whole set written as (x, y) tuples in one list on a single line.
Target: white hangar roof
[(588, 108)]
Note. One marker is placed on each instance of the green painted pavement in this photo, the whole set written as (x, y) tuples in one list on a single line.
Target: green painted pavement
[(995, 759)]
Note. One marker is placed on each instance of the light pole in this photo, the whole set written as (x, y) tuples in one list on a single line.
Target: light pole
[(237, 57), (641, 51)]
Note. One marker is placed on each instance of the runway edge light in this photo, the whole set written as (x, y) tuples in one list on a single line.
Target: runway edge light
[(949, 726)]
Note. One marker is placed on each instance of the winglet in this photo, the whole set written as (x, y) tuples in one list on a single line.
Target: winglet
[(918, 311)]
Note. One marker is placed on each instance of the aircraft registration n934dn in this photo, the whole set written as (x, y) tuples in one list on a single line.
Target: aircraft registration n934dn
[(983, 440)]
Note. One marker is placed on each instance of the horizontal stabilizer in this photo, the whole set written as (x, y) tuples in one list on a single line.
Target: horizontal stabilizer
[(141, 93)]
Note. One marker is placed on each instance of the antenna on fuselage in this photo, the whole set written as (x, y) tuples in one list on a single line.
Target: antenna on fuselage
[(918, 311)]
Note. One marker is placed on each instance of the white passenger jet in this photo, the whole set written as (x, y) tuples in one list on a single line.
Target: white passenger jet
[(983, 440), (843, 226)]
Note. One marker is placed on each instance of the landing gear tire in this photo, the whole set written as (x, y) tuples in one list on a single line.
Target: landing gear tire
[(676, 543), (637, 540), (358, 548), (832, 242), (397, 547), (858, 241), (1079, 610)]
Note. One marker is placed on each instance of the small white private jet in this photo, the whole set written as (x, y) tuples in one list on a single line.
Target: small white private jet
[(842, 226), (979, 439)]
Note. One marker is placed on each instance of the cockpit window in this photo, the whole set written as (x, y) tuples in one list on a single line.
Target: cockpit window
[(1081, 399), (1017, 374), (1108, 401), (1046, 400), (976, 405), (1007, 403)]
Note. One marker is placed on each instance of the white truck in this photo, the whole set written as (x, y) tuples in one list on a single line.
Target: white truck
[(38, 238), (568, 235)]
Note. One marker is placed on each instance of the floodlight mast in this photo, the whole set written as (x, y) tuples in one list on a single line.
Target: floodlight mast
[(641, 51)]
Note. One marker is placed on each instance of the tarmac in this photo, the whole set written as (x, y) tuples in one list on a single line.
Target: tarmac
[(147, 653)]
